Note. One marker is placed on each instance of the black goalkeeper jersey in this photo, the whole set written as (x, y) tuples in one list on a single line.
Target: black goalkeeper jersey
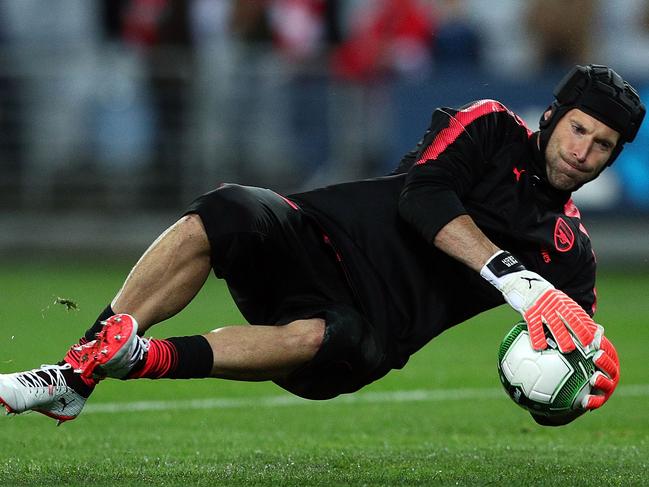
[(479, 160)]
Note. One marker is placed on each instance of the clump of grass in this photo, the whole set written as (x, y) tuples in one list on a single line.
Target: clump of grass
[(69, 304)]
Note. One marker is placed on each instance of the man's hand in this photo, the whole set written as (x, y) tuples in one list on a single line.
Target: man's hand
[(540, 303), (605, 380)]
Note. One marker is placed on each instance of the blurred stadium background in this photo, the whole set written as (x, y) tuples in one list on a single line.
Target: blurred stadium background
[(115, 114)]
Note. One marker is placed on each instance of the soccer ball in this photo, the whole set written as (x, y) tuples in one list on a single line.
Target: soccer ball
[(544, 382)]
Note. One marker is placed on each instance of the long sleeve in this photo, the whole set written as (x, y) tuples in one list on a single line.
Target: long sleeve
[(451, 159)]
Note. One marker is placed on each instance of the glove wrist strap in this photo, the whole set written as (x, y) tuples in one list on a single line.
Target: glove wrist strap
[(503, 263), (499, 265)]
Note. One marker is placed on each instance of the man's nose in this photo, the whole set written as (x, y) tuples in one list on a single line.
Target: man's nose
[(580, 150)]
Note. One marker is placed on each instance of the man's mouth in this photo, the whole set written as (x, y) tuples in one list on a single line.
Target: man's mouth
[(574, 165)]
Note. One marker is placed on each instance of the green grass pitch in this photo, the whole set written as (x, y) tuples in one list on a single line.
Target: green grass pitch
[(443, 420)]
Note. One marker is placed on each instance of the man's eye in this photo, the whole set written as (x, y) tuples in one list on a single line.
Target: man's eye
[(605, 146)]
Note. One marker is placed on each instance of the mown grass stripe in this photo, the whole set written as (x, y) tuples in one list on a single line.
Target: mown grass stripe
[(637, 390)]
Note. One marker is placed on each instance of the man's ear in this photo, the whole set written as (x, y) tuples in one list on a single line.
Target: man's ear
[(547, 114)]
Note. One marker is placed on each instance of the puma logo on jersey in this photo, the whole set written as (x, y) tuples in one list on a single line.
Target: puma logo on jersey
[(518, 173)]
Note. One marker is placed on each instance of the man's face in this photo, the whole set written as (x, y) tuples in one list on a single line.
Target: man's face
[(578, 149)]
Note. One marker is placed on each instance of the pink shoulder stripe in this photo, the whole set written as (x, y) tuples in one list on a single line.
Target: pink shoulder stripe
[(457, 123)]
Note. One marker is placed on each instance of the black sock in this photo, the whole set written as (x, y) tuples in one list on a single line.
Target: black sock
[(74, 381), (96, 327), (188, 357), (196, 358)]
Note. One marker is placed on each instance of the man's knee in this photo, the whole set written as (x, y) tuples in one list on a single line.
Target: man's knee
[(349, 356), (305, 335)]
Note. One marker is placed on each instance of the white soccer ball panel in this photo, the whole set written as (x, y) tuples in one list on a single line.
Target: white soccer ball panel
[(519, 352), (539, 374), (555, 370), (540, 397), (526, 374)]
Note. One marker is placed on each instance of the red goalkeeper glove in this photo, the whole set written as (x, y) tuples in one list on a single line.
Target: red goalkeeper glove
[(540, 303), (605, 380)]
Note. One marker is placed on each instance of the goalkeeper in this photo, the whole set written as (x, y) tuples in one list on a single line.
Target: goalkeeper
[(341, 284)]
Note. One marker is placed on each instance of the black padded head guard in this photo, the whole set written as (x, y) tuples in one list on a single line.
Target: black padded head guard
[(601, 93)]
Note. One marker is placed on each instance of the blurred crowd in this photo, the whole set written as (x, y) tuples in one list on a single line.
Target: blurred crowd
[(139, 89), (360, 38)]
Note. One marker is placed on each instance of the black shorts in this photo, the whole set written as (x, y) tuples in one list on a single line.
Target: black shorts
[(279, 268)]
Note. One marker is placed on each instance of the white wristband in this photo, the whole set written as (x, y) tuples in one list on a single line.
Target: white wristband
[(498, 266)]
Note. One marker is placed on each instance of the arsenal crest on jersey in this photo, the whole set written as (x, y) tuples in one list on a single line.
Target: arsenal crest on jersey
[(564, 238)]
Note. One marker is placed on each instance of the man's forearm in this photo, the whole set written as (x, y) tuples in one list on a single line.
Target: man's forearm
[(463, 240)]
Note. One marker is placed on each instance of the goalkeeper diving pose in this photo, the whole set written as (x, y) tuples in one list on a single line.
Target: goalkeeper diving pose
[(341, 284)]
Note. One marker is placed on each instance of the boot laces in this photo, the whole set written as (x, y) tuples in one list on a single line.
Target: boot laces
[(48, 378)]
